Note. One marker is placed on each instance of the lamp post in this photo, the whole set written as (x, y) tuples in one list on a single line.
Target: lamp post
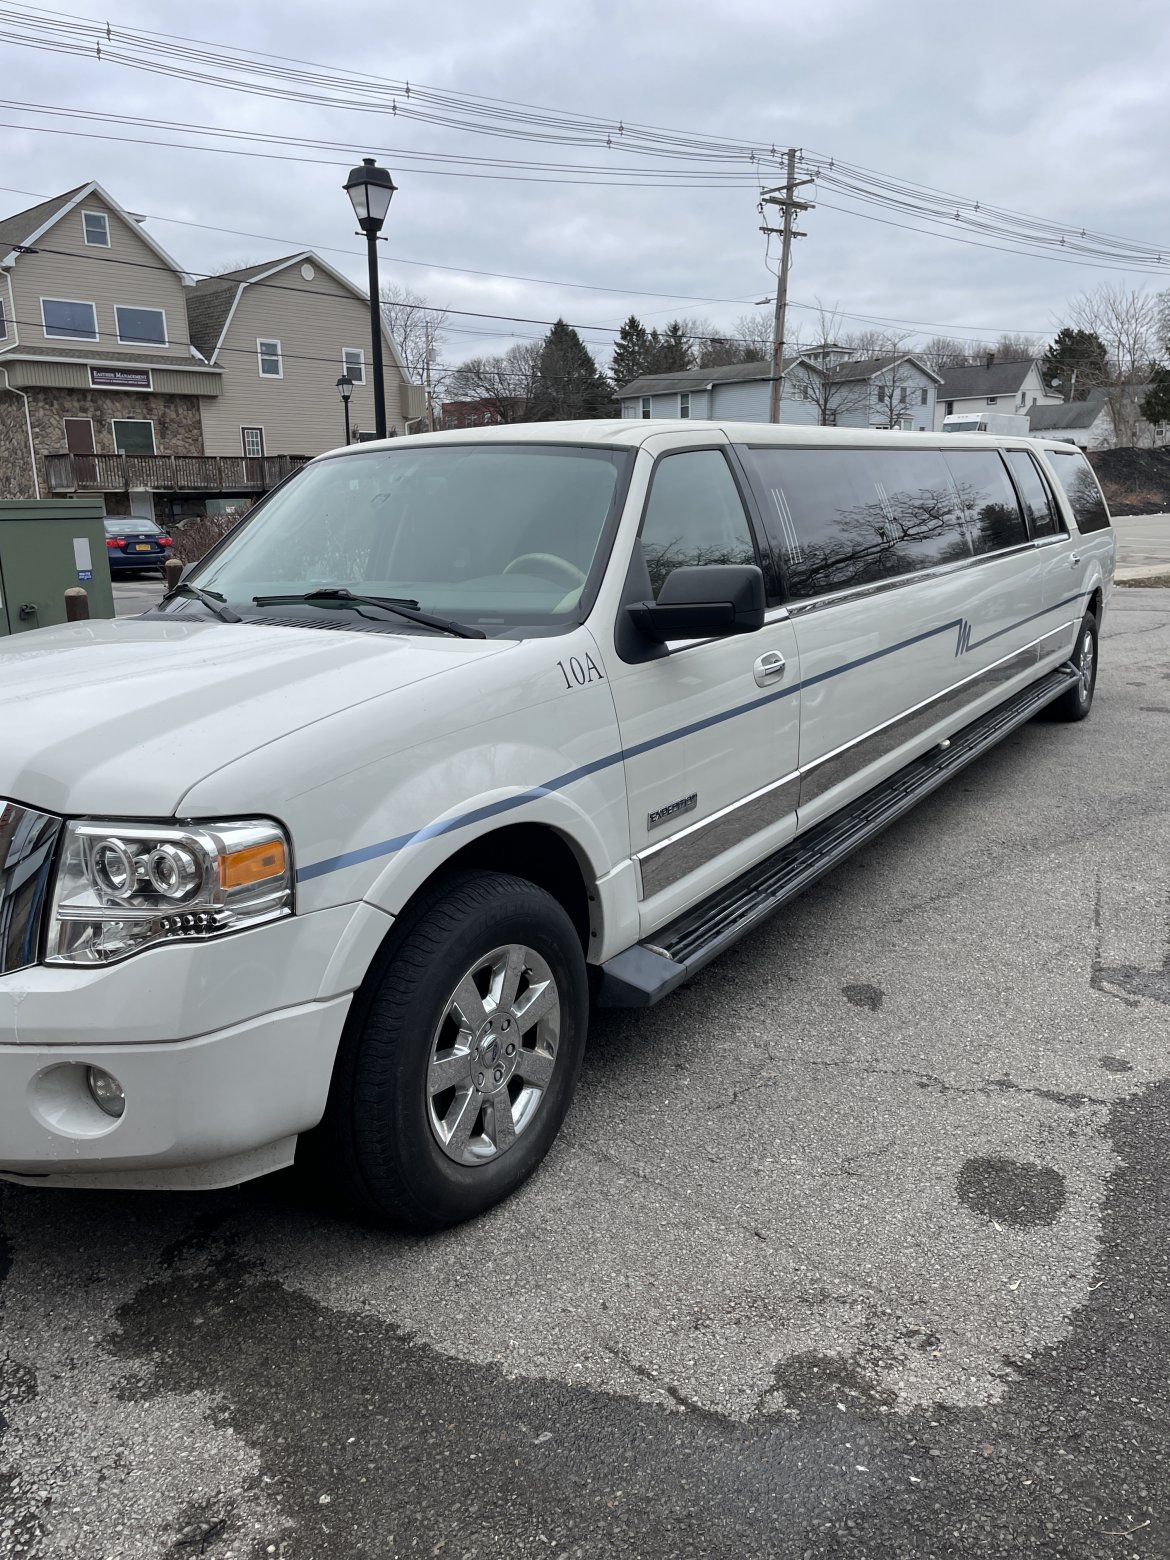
[(371, 190), (345, 390)]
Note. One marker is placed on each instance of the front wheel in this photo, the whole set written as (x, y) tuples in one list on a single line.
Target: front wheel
[(1076, 702), (456, 1073)]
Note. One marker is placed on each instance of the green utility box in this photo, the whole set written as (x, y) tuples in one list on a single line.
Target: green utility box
[(48, 545)]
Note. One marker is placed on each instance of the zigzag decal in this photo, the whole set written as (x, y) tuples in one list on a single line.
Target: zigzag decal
[(964, 638)]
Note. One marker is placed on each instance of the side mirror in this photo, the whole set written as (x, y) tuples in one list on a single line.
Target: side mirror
[(709, 601)]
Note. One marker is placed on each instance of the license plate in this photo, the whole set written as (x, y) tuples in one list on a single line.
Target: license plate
[(143, 547)]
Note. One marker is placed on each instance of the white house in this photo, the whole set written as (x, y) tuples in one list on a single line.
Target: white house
[(1010, 386), (825, 387)]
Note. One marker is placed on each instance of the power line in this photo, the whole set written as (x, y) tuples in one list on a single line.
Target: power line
[(251, 72)]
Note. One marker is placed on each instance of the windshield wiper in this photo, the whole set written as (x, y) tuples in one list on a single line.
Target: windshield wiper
[(401, 606), (211, 599)]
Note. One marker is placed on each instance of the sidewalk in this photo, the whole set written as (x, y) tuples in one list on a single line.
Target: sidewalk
[(1143, 546)]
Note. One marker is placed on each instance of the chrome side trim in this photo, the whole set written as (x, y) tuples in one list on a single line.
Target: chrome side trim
[(901, 581), (670, 859), (28, 842), (832, 768)]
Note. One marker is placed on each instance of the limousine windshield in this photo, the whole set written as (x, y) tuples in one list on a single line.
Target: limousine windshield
[(500, 536)]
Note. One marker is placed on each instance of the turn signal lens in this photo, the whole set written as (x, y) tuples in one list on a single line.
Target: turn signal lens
[(255, 864)]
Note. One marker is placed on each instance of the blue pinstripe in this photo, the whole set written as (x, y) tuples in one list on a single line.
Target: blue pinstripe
[(430, 831)]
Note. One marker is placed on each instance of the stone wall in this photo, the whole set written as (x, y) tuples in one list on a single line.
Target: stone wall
[(178, 429), (15, 466)]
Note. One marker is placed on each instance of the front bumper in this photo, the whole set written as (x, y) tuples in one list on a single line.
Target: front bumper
[(199, 1113), (225, 1051)]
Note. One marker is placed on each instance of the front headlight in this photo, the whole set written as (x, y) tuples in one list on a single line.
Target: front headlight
[(122, 887)]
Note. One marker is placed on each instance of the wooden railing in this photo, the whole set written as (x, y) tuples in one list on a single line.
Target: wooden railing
[(169, 473)]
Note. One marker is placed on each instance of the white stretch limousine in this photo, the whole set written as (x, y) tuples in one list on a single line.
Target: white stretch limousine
[(456, 735)]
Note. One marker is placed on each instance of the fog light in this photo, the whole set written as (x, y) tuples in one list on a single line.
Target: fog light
[(106, 1091)]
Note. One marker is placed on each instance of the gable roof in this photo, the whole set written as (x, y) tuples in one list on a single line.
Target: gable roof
[(867, 368), (25, 227), (697, 378), (212, 301), (1068, 414), (1007, 378), (748, 373)]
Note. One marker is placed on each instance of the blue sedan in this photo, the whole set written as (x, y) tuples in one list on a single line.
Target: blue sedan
[(135, 544)]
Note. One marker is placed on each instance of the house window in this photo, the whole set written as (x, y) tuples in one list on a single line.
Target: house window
[(253, 441), (133, 436), (881, 390), (142, 327), (922, 396), (68, 319), (3, 322), (270, 358), (79, 435), (902, 396), (95, 227), (645, 406), (950, 409), (684, 403), (353, 363), (992, 399)]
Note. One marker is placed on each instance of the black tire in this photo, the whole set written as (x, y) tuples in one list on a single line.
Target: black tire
[(380, 1137), (1076, 702)]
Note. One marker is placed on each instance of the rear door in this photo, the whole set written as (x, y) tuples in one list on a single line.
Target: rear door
[(1059, 586), (709, 728), (1089, 555)]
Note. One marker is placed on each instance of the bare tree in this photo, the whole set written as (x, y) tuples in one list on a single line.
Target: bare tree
[(1127, 320), (753, 332), (896, 386), (503, 386), (817, 376), (416, 326), (1015, 348), (943, 352)]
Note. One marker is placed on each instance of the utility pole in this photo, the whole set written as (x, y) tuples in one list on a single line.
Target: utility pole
[(785, 198), (427, 374)]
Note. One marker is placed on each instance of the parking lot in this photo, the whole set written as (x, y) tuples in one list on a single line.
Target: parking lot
[(858, 1245)]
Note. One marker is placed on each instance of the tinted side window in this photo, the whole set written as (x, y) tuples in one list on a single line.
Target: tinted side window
[(845, 517), (1033, 490), (989, 500), (694, 516), (1080, 488)]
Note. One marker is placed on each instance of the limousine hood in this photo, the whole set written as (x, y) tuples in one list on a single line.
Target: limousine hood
[(122, 718)]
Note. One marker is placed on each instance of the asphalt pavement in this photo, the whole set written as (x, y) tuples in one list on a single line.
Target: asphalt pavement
[(858, 1245)]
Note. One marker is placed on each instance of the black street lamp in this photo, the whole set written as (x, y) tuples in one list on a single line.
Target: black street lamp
[(371, 190), (345, 390)]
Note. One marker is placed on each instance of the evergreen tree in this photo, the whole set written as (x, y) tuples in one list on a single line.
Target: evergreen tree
[(567, 380), (1079, 359), (631, 352), (669, 352), (674, 351), (1155, 408)]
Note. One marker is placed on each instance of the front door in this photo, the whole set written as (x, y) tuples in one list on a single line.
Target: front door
[(79, 435), (709, 728)]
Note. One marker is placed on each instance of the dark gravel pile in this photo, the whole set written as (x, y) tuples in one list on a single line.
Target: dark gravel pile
[(1135, 482)]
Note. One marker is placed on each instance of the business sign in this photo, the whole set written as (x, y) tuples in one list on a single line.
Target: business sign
[(120, 378)]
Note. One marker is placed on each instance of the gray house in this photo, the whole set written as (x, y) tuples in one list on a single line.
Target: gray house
[(828, 387), (1008, 386)]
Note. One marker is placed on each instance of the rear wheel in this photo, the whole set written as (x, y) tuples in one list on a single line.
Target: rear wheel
[(455, 1075), (1076, 702)]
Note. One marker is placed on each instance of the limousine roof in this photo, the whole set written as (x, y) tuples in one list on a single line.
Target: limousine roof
[(634, 432)]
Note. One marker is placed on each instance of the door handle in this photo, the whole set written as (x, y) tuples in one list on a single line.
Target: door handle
[(769, 668), (1073, 560)]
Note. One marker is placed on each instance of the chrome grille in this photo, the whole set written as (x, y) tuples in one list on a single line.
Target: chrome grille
[(28, 841)]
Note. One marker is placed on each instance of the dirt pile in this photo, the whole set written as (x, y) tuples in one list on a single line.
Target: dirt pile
[(1135, 482)]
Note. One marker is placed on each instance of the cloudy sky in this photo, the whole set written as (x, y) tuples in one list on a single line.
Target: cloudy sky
[(1058, 112)]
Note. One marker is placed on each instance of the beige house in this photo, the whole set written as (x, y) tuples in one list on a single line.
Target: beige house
[(282, 334), (96, 364)]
